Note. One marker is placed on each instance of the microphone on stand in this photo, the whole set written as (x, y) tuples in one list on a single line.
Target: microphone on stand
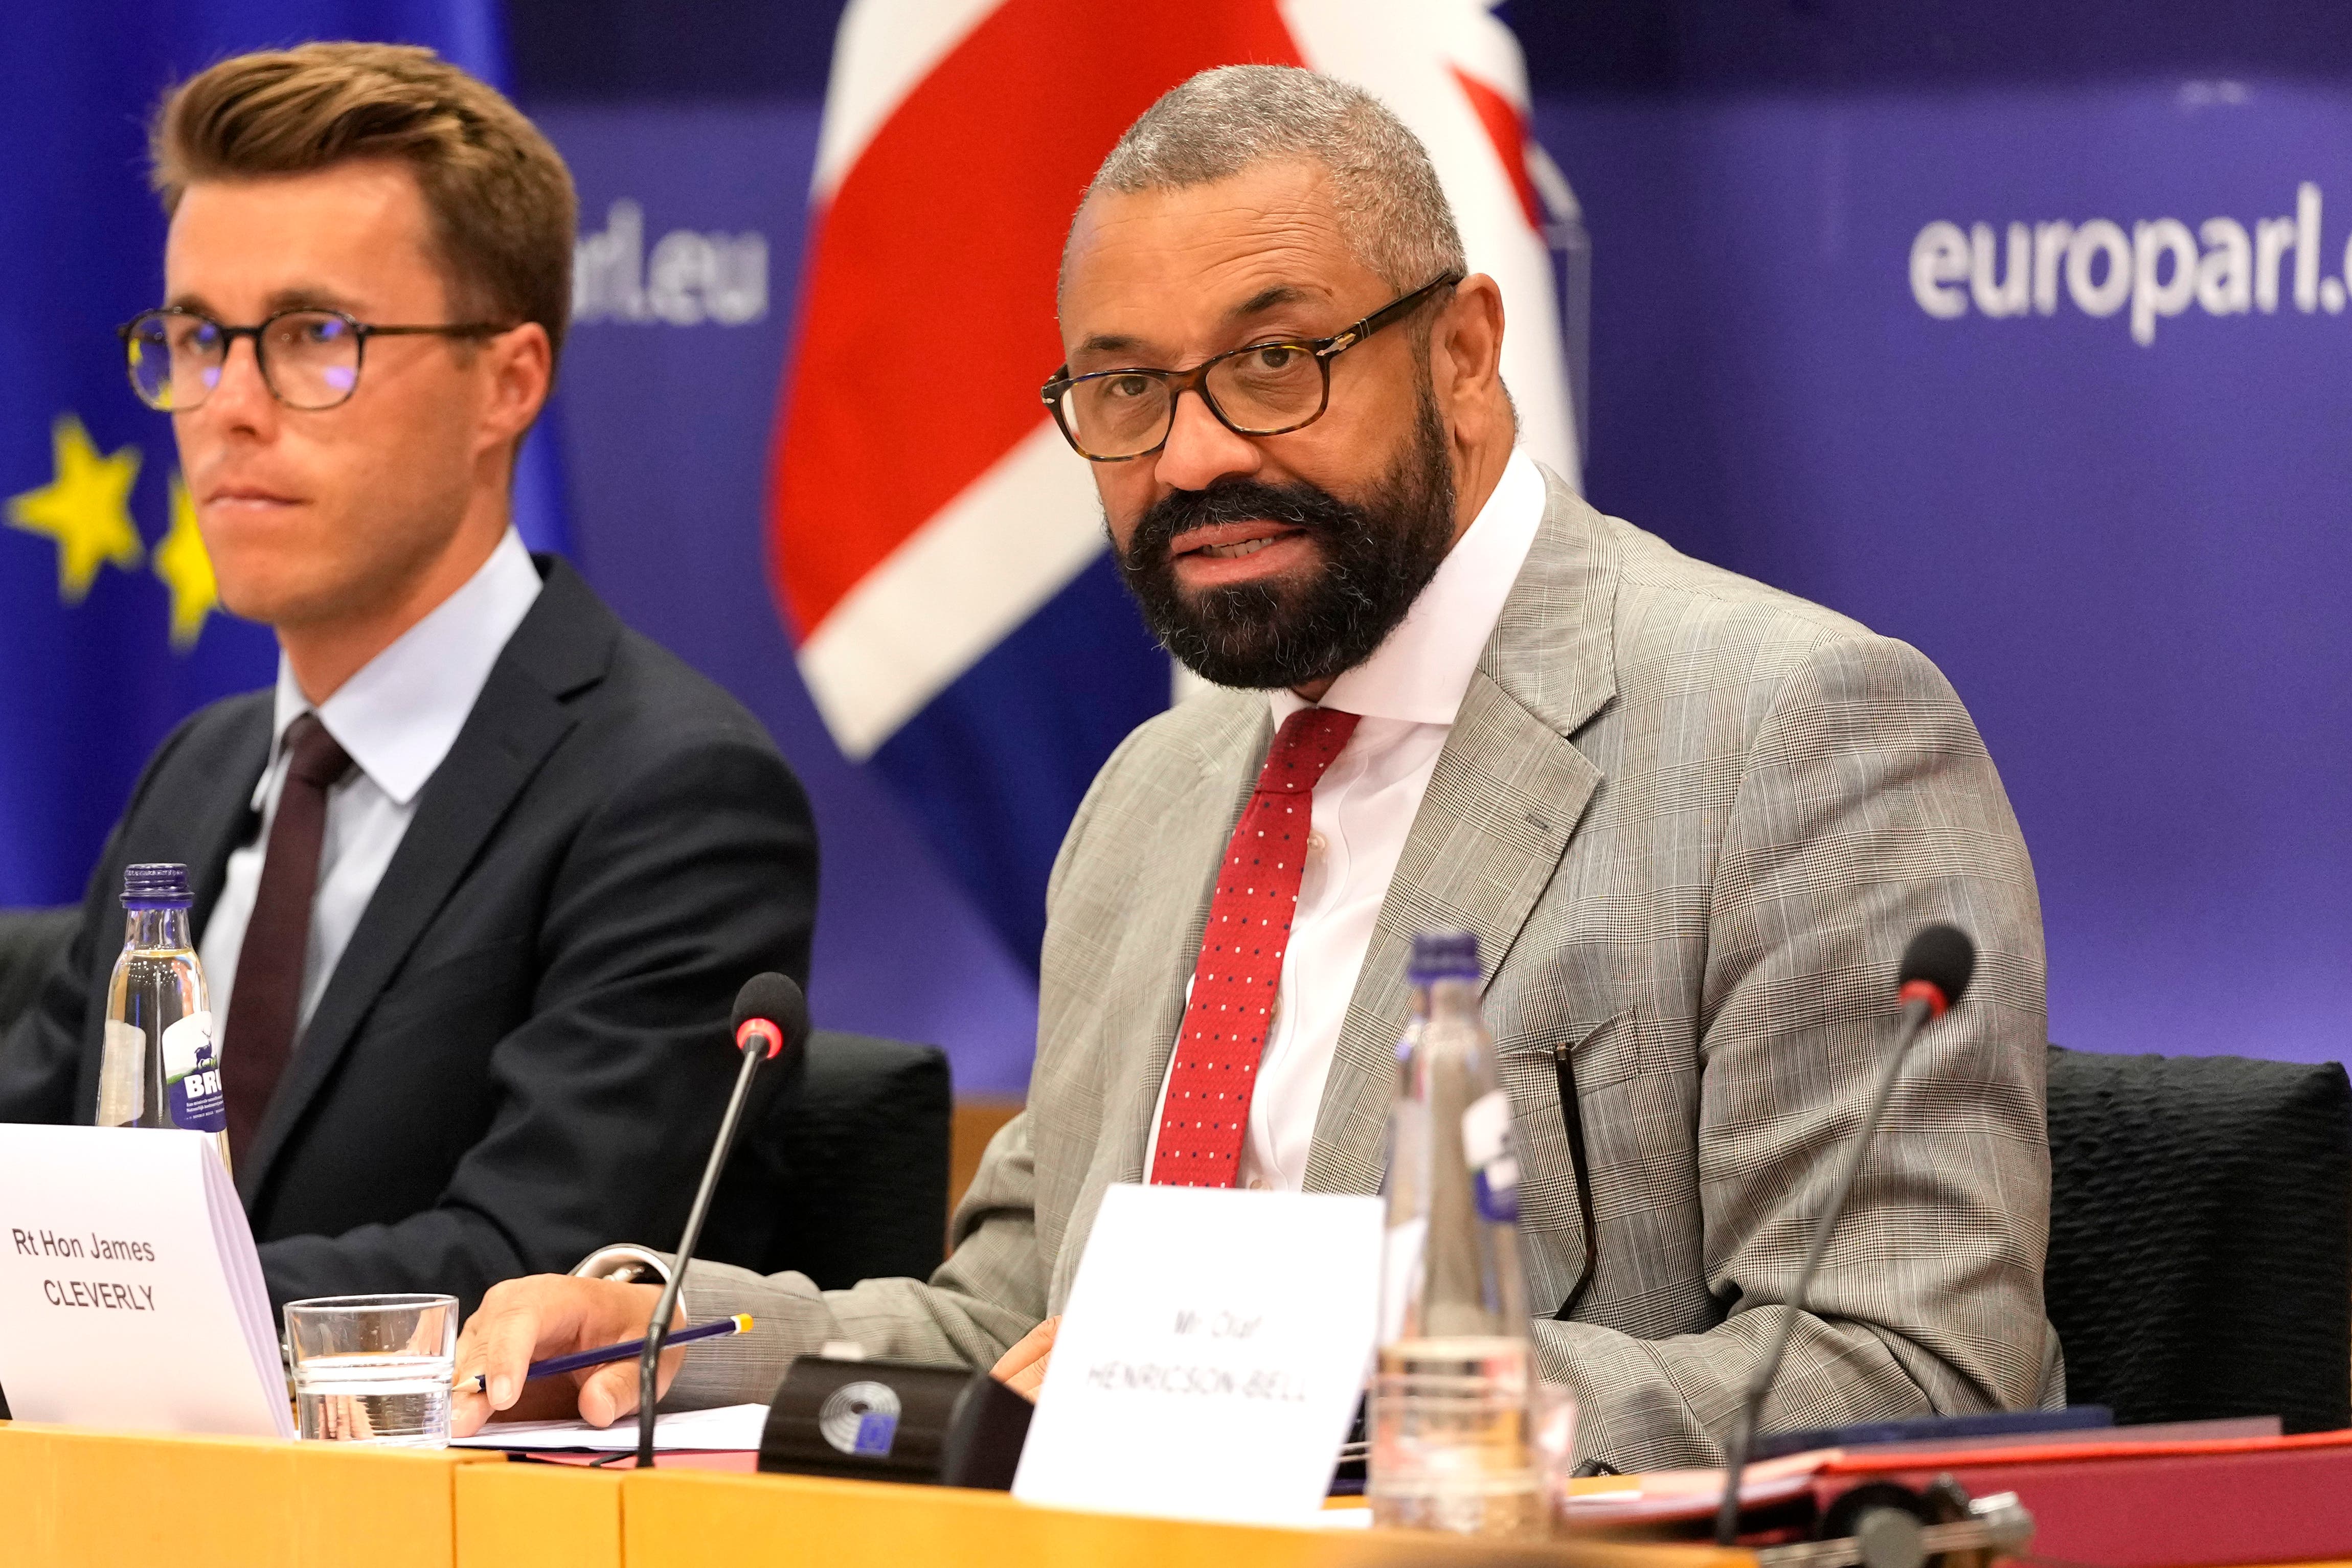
[(770, 1019), (1936, 967)]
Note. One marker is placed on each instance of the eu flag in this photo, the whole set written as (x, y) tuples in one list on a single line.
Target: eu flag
[(110, 630)]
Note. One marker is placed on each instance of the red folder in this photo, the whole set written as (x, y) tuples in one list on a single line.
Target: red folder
[(2161, 1505)]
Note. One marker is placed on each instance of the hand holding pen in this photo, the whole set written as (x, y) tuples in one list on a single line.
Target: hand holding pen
[(625, 1350), (524, 1323)]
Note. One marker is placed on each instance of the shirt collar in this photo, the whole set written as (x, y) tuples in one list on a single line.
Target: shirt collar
[(399, 715), (1421, 672)]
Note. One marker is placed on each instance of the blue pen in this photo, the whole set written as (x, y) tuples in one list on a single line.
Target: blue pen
[(627, 1350)]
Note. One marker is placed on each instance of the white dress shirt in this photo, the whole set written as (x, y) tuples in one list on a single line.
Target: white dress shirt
[(397, 717), (1408, 693)]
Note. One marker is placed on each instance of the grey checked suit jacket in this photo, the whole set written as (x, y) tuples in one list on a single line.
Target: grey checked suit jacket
[(1693, 821)]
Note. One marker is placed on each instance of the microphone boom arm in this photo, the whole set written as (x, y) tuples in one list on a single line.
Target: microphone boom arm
[(756, 1048), (1917, 1013)]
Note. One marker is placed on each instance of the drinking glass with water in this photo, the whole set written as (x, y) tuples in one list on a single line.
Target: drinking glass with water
[(373, 1369)]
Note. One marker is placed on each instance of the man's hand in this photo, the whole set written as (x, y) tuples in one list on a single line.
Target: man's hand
[(529, 1320), (1022, 1368)]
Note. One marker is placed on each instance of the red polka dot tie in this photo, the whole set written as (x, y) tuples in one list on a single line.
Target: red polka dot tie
[(1239, 972)]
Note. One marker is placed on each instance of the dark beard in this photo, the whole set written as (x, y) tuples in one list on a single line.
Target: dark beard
[(1377, 557)]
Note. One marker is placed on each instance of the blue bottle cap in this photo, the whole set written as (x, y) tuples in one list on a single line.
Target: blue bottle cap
[(149, 886), (1445, 955)]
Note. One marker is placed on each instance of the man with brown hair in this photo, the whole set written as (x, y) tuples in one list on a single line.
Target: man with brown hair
[(475, 884)]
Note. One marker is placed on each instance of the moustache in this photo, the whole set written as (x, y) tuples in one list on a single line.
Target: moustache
[(1301, 507)]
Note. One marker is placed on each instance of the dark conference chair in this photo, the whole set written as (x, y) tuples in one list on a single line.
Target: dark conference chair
[(2200, 1236), (862, 1153), (30, 941), (846, 1181)]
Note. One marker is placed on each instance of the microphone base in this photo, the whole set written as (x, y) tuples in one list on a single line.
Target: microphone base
[(895, 1421)]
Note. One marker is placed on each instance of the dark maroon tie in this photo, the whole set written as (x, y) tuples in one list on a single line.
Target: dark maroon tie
[(267, 1003)]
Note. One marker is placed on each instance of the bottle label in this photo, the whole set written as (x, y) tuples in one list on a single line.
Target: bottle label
[(192, 1076), (123, 1075), (1494, 1168)]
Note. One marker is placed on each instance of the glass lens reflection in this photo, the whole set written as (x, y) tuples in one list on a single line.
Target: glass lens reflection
[(311, 359), (1118, 413), (1267, 388)]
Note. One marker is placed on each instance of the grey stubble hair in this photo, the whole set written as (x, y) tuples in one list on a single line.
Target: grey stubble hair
[(1393, 211)]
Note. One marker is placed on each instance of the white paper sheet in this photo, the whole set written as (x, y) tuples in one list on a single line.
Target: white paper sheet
[(1211, 1355), (130, 1295), (726, 1427)]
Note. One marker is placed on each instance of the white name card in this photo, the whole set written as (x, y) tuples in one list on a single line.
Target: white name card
[(1211, 1355), (130, 1296)]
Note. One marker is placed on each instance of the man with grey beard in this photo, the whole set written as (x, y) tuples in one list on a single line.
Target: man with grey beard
[(1691, 820)]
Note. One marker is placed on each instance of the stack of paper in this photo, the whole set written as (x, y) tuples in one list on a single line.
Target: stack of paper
[(130, 1296), (731, 1426)]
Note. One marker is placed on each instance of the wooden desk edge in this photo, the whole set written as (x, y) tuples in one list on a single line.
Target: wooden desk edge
[(514, 1516)]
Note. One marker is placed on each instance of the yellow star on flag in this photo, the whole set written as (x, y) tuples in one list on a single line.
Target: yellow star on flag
[(182, 565), (85, 508)]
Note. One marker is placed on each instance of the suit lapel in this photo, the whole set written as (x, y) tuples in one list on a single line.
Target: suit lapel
[(1153, 988), (1507, 793), (563, 645), (228, 818)]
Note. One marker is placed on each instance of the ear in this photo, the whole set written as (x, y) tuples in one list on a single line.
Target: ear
[(520, 365), (1466, 349)]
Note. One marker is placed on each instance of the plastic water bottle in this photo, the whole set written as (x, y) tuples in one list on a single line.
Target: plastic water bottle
[(1450, 1440), (161, 1067)]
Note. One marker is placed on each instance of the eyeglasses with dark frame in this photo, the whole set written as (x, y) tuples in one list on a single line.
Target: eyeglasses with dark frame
[(1259, 389), (309, 359)]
